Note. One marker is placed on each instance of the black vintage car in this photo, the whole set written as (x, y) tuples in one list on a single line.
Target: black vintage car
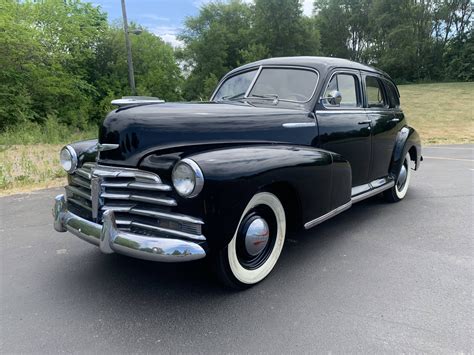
[(283, 143)]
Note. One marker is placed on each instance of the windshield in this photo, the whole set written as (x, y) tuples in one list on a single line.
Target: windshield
[(280, 84), (235, 85)]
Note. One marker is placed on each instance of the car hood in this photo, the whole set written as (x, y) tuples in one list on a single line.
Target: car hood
[(144, 129)]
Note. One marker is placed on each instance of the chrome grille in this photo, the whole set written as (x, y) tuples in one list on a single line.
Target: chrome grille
[(139, 199)]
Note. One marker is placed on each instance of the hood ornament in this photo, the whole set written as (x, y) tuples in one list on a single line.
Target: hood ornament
[(105, 146)]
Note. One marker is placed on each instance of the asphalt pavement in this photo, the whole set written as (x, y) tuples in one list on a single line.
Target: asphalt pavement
[(377, 278)]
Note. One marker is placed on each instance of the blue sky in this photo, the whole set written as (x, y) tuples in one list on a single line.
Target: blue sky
[(162, 17)]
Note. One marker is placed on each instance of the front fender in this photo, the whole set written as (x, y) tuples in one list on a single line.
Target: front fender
[(317, 179), (86, 150), (407, 140)]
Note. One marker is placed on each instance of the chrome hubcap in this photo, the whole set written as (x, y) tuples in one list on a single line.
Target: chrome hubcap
[(402, 177), (256, 236)]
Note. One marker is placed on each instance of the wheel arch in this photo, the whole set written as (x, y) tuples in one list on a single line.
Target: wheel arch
[(290, 199), (407, 141)]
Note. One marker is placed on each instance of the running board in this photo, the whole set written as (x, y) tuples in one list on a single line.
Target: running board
[(372, 189), (363, 192)]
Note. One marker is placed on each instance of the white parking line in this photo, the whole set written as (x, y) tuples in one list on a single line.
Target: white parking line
[(442, 158)]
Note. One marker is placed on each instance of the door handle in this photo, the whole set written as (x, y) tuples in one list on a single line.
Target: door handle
[(365, 122)]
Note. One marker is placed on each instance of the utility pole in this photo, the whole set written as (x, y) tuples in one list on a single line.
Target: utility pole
[(131, 76)]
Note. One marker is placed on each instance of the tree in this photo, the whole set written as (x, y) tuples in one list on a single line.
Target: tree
[(410, 39), (61, 61), (279, 26), (46, 50), (226, 35), (333, 27), (156, 70), (215, 41)]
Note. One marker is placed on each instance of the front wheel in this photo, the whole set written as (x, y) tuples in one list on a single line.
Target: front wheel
[(257, 243), (399, 190)]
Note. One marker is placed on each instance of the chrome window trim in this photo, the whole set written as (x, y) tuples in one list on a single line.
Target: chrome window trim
[(225, 78), (354, 73), (252, 83), (269, 66), (379, 78)]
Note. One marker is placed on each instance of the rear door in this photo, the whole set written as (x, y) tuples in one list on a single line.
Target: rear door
[(382, 111)]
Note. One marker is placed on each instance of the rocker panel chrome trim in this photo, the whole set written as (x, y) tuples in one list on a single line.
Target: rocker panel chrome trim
[(371, 189), (328, 215)]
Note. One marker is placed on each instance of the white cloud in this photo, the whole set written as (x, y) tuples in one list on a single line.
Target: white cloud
[(155, 18), (168, 34), (308, 7), (172, 39)]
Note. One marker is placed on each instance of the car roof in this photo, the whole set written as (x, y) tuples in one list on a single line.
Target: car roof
[(322, 64)]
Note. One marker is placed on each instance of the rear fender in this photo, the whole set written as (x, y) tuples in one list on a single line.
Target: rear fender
[(407, 140)]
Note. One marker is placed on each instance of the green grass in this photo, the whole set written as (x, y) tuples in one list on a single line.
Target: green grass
[(51, 132), (441, 113), (30, 166), (29, 155)]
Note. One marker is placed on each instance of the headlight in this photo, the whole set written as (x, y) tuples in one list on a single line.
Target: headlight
[(68, 159), (187, 177)]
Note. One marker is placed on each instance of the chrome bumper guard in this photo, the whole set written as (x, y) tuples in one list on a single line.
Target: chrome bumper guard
[(110, 239)]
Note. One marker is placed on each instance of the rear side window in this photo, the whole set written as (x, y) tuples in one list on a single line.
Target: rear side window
[(347, 85), (392, 94), (375, 93)]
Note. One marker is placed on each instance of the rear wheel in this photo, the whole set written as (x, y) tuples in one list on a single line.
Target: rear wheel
[(399, 190), (257, 243)]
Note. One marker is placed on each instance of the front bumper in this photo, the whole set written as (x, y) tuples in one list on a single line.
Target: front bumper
[(110, 239)]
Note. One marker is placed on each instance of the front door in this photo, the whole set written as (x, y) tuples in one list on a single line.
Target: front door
[(345, 128)]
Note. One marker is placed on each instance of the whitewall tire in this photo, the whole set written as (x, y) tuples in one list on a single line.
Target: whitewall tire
[(256, 245), (399, 190)]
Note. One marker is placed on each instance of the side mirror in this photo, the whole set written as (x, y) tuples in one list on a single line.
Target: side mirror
[(334, 98)]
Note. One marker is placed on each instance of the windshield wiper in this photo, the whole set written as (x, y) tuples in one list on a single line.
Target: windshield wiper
[(232, 97), (273, 97)]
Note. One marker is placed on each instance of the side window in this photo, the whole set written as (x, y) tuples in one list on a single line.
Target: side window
[(347, 85), (392, 94), (375, 94)]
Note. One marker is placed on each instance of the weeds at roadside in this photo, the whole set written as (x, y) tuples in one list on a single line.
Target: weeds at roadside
[(51, 132), (28, 166)]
